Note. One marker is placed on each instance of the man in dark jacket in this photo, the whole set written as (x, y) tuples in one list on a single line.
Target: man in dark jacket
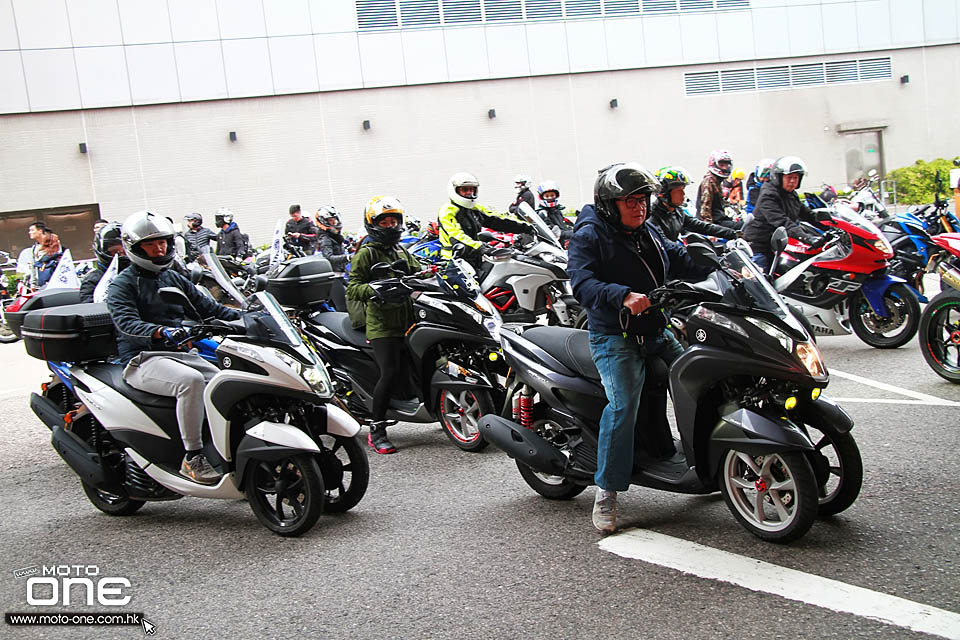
[(230, 242), (779, 206), (106, 245), (300, 231), (197, 236), (615, 261), (332, 245), (524, 193), (668, 216), (149, 332)]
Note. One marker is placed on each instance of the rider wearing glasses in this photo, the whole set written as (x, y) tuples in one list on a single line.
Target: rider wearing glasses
[(615, 261)]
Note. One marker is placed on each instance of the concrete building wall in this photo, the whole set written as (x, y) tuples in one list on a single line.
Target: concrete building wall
[(312, 149)]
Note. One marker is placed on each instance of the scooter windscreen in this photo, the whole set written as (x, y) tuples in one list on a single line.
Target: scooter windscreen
[(756, 292), (531, 216), (848, 215), (220, 275)]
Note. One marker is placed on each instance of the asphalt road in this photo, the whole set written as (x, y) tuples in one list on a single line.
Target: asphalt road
[(453, 545)]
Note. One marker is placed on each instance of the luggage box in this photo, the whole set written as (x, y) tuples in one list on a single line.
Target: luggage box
[(73, 333), (303, 282), (43, 299)]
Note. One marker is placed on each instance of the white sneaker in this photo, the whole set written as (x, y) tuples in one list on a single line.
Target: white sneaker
[(605, 510)]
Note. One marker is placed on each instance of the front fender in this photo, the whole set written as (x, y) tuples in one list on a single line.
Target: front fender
[(874, 288), (754, 434), (826, 415), (271, 441), (341, 423)]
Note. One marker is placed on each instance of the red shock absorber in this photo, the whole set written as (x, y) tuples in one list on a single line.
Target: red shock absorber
[(526, 411)]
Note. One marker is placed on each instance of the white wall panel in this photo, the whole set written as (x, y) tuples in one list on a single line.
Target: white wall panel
[(287, 18), (424, 56), (805, 29), (8, 27), (466, 54), (194, 20), (381, 58), (338, 61), (200, 69), (771, 38), (661, 40), (153, 73), (333, 16), (13, 98), (547, 44), (906, 18), (241, 19), (873, 24), (587, 45), (940, 20), (698, 34), (625, 43), (247, 66), (51, 77), (95, 23), (102, 75), (294, 64), (506, 50), (735, 34), (42, 24), (839, 27), (144, 22)]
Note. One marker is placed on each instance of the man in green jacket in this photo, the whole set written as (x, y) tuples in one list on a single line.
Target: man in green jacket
[(387, 317)]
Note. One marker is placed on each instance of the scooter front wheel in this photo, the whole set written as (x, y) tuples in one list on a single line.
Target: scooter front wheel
[(460, 411), (286, 495), (346, 472), (940, 335), (903, 310), (838, 468), (774, 496)]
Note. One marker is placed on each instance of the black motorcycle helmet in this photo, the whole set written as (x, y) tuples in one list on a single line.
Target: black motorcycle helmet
[(619, 181), (192, 218), (109, 236), (377, 209)]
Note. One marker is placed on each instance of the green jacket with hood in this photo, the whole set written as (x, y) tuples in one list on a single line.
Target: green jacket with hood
[(383, 319)]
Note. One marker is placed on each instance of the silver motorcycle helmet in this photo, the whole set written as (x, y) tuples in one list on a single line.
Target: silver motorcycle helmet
[(140, 227)]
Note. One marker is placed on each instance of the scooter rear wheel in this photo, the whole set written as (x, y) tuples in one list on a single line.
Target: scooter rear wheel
[(774, 496), (904, 310), (550, 487), (285, 495), (109, 503)]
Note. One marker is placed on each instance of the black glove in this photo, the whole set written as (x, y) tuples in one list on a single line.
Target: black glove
[(175, 336), (487, 249), (816, 242)]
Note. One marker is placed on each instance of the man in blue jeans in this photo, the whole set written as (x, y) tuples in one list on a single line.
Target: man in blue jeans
[(615, 261)]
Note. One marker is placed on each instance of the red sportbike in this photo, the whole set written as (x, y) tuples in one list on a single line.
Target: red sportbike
[(843, 286), (940, 322)]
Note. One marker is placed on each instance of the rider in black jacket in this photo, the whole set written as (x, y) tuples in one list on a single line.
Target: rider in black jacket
[(197, 236), (106, 245), (150, 335), (668, 216), (230, 242), (300, 231)]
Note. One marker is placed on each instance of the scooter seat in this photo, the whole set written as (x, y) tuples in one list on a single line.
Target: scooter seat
[(112, 376), (571, 347), (339, 323)]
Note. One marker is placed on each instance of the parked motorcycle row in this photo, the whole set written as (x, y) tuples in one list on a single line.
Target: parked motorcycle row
[(499, 355)]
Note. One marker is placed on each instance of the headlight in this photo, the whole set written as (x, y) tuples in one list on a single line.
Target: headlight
[(809, 355), (785, 341), (883, 246), (719, 319), (318, 380), (473, 313)]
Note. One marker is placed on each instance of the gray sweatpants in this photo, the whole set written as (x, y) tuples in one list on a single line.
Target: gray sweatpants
[(179, 375)]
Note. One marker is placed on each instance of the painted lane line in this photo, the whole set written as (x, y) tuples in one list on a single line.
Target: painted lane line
[(924, 403), (756, 575), (893, 388)]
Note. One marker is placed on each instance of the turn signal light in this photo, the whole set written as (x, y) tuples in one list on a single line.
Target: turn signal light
[(493, 356), (815, 393)]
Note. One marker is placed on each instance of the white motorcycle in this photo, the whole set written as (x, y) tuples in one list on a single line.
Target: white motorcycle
[(272, 429)]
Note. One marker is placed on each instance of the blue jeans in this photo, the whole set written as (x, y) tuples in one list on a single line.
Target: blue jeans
[(763, 260), (622, 366)]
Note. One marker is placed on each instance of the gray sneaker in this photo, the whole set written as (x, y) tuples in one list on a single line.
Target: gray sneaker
[(199, 470), (605, 510)]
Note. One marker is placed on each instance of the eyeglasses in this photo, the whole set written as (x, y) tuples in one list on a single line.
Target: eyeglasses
[(633, 202)]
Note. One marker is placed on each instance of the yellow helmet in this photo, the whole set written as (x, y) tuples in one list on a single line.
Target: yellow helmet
[(738, 174), (377, 209)]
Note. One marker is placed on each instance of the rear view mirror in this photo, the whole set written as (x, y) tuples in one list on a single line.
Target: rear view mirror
[(486, 236), (822, 216), (778, 241), (196, 273), (260, 283)]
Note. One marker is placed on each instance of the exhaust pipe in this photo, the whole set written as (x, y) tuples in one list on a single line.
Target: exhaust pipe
[(81, 457), (46, 410), (949, 274), (523, 445)]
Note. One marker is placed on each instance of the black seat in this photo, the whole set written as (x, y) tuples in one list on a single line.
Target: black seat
[(112, 376), (570, 346), (340, 324)]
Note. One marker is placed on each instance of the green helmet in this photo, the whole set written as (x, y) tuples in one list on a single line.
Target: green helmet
[(672, 177)]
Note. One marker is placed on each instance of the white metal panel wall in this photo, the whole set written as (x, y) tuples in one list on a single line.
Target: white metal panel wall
[(234, 43)]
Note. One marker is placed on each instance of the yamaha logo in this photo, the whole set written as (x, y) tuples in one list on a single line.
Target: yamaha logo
[(227, 362), (701, 335)]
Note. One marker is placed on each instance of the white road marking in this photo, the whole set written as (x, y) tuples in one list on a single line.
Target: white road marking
[(941, 403), (756, 575), (928, 399)]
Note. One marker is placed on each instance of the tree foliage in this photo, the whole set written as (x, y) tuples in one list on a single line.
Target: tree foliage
[(916, 184)]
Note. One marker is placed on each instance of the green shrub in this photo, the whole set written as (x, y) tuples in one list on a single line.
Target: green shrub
[(916, 184)]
